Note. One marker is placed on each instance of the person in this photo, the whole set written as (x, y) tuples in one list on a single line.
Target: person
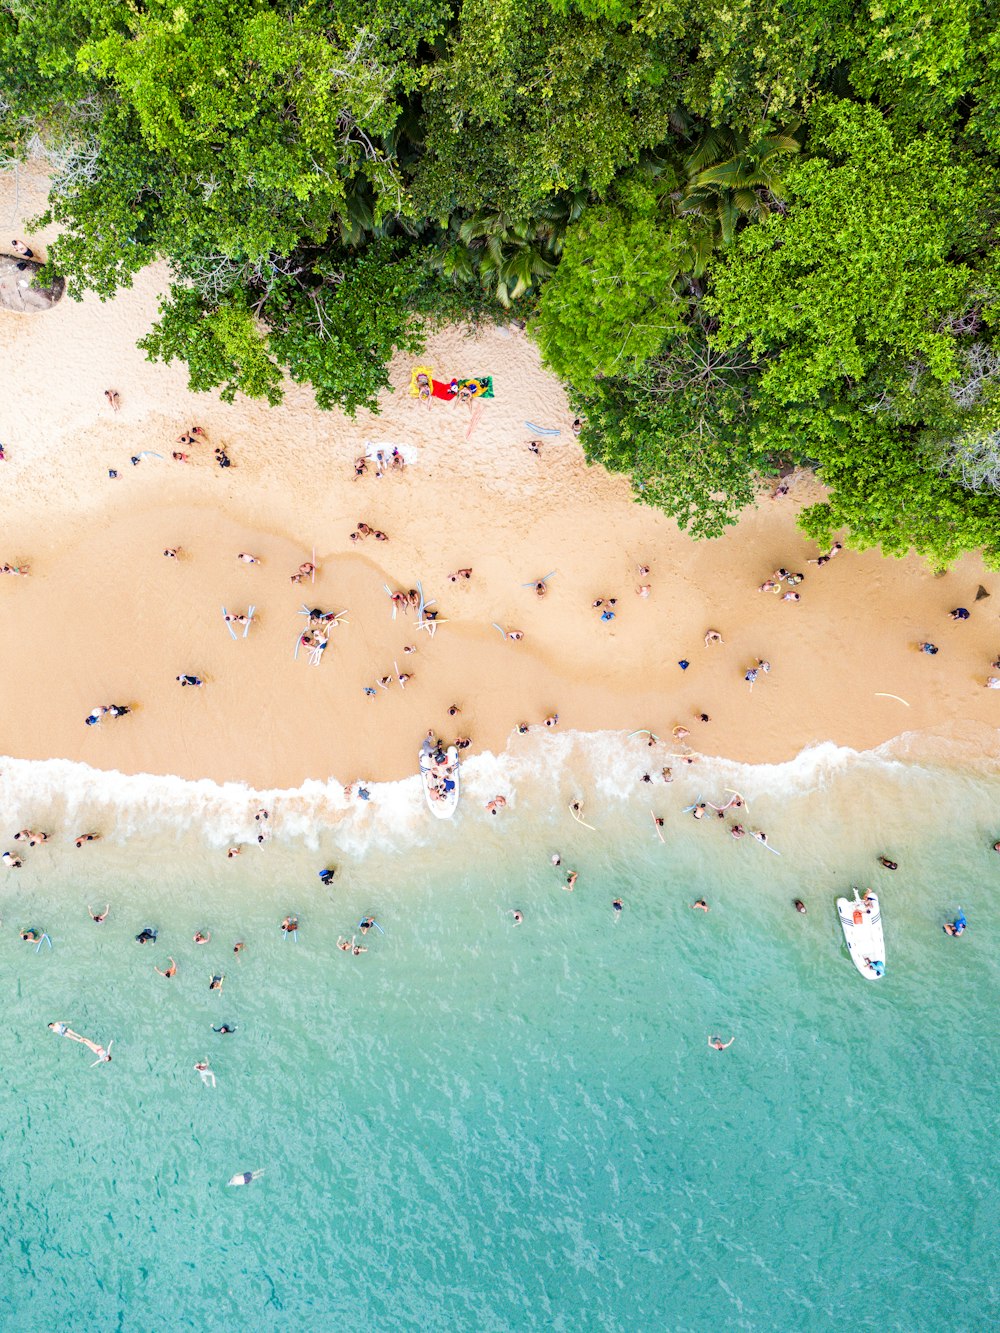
[(959, 613), (99, 918), (552, 719), (791, 597), (94, 716), (887, 864), (571, 879), (556, 859), (20, 248), (751, 676), (760, 835), (800, 906), (216, 982), (171, 971), (247, 558), (719, 1045), (518, 916), (956, 927), (540, 588), (326, 875), (290, 925), (112, 396), (607, 615), (680, 732), (535, 447), (366, 924), (703, 717), (360, 467), (658, 821), (178, 457), (196, 681), (32, 936), (201, 938), (245, 1177), (877, 965), (667, 774), (343, 944), (172, 552), (224, 1029), (496, 804), (712, 636), (62, 1030), (699, 810), (737, 831), (262, 814), (103, 1056), (702, 905), (617, 906), (357, 948), (207, 1077), (232, 851), (928, 648), (119, 710), (515, 635), (993, 682), (146, 936)]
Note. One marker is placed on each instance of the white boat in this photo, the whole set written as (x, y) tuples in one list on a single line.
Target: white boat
[(441, 782), (861, 921)]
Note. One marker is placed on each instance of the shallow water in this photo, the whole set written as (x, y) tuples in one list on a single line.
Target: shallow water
[(477, 1126)]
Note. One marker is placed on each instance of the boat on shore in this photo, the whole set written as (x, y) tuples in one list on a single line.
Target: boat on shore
[(439, 774), (861, 922)]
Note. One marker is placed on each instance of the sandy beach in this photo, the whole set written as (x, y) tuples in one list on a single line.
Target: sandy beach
[(105, 618)]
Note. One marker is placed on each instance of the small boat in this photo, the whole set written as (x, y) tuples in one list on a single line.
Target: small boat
[(440, 779), (861, 921)]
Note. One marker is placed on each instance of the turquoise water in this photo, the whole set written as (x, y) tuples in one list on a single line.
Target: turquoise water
[(487, 1127)]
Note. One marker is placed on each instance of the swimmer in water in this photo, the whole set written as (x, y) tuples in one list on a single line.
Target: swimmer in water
[(216, 982), (718, 1044), (99, 917), (887, 864), (146, 936), (207, 1077), (200, 938), (170, 972), (617, 905), (571, 879), (556, 859), (518, 917), (958, 926), (702, 904), (225, 1029), (244, 1177), (800, 906)]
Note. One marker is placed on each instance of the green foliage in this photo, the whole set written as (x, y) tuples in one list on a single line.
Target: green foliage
[(224, 347), (863, 268), (614, 299), (339, 335)]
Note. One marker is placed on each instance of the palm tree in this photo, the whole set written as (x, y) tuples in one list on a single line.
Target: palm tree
[(732, 176)]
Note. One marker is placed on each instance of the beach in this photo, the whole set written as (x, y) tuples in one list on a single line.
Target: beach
[(104, 617), (506, 1112)]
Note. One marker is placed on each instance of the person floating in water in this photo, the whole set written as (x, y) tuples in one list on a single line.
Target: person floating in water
[(800, 906), (887, 864), (958, 926), (224, 1028), (326, 875), (99, 917), (146, 936), (290, 925), (718, 1044), (245, 1177), (207, 1076)]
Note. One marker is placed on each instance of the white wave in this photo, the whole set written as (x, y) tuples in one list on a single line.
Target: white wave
[(541, 772)]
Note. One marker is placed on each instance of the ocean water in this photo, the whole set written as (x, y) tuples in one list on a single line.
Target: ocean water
[(477, 1126)]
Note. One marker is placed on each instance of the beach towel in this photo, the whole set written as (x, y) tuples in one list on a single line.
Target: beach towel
[(439, 388), (480, 387)]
